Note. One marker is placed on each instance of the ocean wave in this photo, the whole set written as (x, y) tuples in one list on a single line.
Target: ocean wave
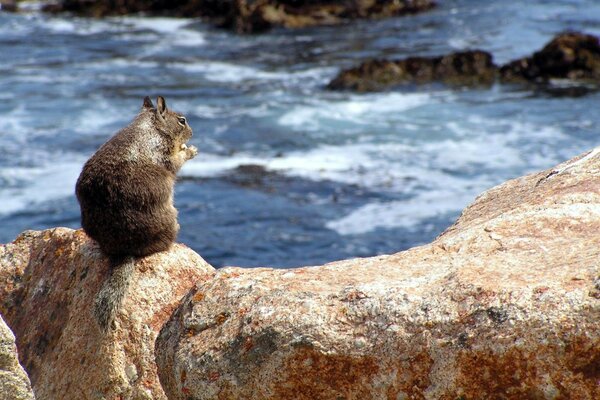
[(27, 187), (361, 110), (224, 72), (407, 213)]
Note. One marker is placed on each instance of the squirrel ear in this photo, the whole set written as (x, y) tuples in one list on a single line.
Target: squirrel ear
[(148, 103), (161, 105)]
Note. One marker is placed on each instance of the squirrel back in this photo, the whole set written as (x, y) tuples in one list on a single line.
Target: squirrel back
[(125, 192)]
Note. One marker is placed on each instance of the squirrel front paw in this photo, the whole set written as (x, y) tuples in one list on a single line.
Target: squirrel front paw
[(190, 152)]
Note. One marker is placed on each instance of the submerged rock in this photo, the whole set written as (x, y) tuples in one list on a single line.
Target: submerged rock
[(14, 382), (48, 282), (570, 55), (504, 304), (252, 15), (469, 68)]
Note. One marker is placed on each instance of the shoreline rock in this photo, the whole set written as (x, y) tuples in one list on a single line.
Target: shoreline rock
[(251, 16), (48, 282), (504, 304), (468, 68), (569, 55), (14, 382)]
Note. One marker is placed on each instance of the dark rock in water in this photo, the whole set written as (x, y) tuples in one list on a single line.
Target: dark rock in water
[(570, 55), (251, 176), (8, 5), (246, 16), (469, 68)]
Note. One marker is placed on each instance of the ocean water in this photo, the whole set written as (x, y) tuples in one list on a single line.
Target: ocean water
[(345, 175)]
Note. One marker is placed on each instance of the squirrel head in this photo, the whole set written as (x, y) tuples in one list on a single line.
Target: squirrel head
[(168, 122)]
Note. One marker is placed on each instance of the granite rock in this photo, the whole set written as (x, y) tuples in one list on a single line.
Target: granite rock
[(14, 382), (504, 304), (48, 281)]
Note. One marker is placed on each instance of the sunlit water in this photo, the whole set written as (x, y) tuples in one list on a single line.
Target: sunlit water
[(349, 174)]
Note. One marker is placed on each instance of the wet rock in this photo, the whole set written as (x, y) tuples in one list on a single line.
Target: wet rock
[(469, 68), (251, 176), (570, 55), (48, 281), (8, 5), (252, 15), (14, 383), (504, 304)]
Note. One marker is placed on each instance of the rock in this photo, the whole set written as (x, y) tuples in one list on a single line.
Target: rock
[(14, 383), (570, 55), (469, 68), (48, 281), (503, 305), (252, 15), (9, 5)]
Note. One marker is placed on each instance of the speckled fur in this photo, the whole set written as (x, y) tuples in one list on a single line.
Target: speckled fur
[(125, 192)]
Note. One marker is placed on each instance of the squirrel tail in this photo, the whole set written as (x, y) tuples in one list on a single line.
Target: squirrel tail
[(110, 296)]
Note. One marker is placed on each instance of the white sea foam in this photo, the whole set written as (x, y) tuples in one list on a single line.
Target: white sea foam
[(175, 28), (217, 71), (361, 110), (76, 26), (131, 28), (439, 176), (407, 214), (157, 24), (26, 187)]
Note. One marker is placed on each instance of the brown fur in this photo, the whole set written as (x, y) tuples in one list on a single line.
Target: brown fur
[(125, 190)]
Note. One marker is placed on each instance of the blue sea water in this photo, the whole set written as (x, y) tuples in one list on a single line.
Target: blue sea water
[(347, 174)]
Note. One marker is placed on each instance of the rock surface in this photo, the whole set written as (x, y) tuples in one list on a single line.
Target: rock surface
[(503, 305), (470, 68), (48, 280), (14, 383), (252, 15), (572, 55)]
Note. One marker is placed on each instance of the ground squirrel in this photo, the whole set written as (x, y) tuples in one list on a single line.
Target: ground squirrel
[(125, 192)]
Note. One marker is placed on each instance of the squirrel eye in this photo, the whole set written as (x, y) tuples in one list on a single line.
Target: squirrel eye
[(181, 120)]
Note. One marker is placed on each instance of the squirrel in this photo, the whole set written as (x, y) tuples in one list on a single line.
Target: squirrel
[(125, 192)]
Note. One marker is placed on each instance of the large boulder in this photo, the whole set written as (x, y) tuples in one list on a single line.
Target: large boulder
[(48, 281), (469, 68), (570, 55), (251, 15), (14, 382), (503, 305)]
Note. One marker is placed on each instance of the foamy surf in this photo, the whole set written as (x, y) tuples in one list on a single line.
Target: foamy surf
[(356, 110), (223, 72), (24, 188)]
